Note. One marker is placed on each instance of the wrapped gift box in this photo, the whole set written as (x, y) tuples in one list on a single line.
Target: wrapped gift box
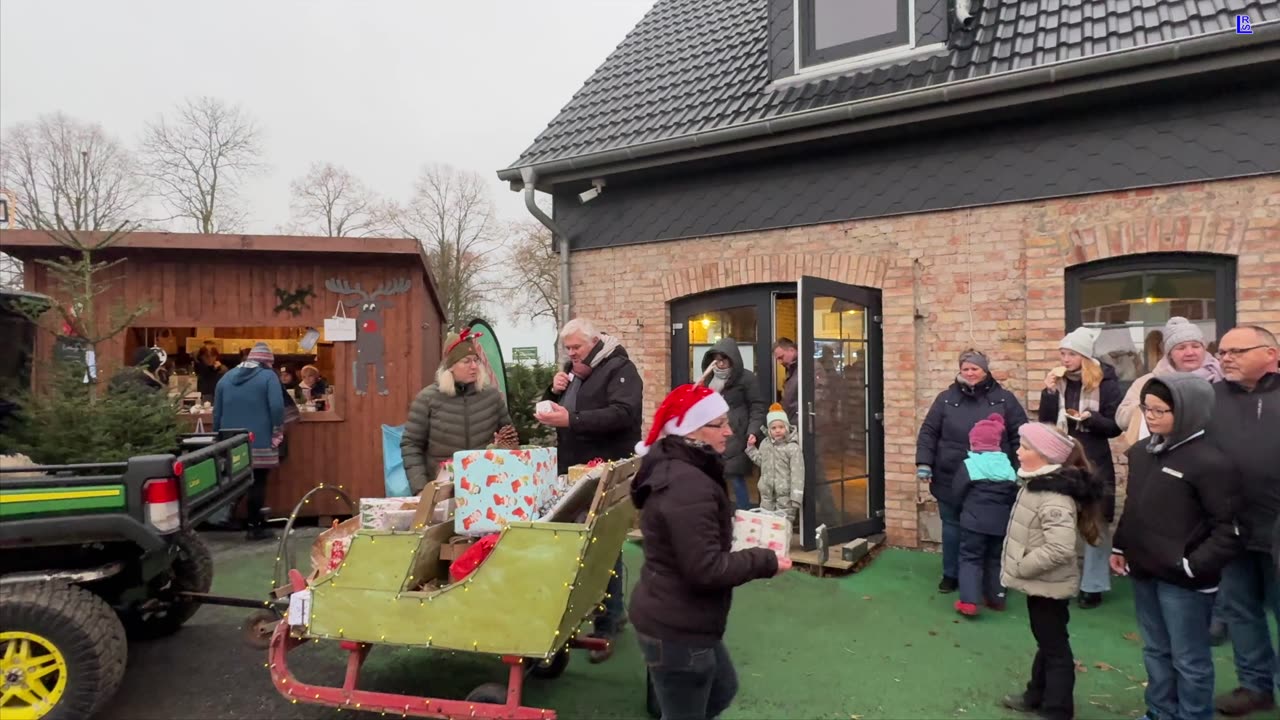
[(374, 511), (495, 487), (761, 528)]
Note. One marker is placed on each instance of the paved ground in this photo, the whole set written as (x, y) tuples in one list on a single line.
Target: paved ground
[(880, 644)]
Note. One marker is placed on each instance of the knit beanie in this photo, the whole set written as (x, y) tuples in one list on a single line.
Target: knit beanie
[(1179, 330), (261, 353), (463, 346), (1081, 341), (977, 358), (683, 411), (1046, 440), (777, 414), (987, 434)]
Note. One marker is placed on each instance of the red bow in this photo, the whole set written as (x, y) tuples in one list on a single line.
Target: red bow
[(465, 336), (595, 462)]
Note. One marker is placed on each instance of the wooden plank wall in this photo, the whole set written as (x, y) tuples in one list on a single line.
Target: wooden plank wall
[(208, 289)]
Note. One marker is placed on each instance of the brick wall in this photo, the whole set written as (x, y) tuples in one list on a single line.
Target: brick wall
[(990, 277)]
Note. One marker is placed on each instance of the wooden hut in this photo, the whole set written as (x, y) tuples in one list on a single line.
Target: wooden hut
[(229, 291)]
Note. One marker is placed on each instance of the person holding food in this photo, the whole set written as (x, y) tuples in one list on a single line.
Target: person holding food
[(1080, 398)]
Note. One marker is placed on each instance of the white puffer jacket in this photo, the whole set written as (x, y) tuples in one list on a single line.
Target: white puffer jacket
[(1041, 541)]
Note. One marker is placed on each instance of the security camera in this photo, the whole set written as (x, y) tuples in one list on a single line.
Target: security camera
[(587, 196), (964, 14)]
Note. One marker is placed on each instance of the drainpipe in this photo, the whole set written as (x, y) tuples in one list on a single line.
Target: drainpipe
[(528, 177)]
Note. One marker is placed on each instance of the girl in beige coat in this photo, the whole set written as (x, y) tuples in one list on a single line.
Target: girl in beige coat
[(1059, 500)]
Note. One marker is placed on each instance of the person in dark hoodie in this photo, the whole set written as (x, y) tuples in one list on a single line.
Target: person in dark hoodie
[(680, 606), (986, 486), (943, 444), (1081, 397), (1246, 415), (1176, 534), (1059, 501), (250, 397), (723, 372)]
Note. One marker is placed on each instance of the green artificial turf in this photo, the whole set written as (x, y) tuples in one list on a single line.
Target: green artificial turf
[(879, 644)]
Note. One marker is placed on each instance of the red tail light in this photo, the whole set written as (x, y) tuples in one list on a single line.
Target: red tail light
[(160, 491), (177, 468), (250, 438)]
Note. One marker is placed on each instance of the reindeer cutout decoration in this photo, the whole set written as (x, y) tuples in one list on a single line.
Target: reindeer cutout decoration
[(370, 345)]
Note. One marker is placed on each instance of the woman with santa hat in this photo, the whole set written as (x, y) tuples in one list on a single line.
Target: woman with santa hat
[(680, 606)]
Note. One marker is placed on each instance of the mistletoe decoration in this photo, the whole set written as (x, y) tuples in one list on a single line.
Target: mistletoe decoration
[(293, 302)]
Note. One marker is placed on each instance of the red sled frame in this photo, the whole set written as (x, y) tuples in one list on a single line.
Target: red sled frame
[(348, 696)]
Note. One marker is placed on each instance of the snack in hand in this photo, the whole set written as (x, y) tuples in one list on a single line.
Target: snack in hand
[(1059, 372)]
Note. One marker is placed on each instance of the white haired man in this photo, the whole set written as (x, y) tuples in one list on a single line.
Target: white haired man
[(597, 409), (1246, 414)]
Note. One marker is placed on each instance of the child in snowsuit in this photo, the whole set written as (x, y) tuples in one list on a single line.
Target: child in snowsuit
[(781, 466), (1060, 500), (984, 487)]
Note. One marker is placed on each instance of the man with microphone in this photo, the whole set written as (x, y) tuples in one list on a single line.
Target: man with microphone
[(596, 407)]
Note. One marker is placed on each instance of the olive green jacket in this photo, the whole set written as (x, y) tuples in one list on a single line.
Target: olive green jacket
[(442, 423)]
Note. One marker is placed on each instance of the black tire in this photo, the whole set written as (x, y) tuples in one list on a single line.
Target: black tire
[(258, 628), (490, 693), (552, 668), (192, 571), (82, 628)]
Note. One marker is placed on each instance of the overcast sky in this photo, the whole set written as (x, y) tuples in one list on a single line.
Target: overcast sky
[(380, 87)]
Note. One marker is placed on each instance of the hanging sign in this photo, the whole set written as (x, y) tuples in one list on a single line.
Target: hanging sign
[(340, 328)]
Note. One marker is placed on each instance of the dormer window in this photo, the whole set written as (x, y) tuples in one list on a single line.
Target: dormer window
[(834, 30)]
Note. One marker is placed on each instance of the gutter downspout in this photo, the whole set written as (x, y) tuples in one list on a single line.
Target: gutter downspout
[(529, 177)]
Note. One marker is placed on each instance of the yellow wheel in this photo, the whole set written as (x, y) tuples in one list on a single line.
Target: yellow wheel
[(33, 675), (62, 652)]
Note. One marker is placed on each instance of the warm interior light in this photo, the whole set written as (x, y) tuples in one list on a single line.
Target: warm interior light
[(706, 323), (1148, 300)]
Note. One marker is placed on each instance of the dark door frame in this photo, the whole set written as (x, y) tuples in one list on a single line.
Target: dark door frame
[(870, 299)]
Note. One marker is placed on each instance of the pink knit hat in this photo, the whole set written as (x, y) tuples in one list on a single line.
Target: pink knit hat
[(987, 434), (1046, 440)]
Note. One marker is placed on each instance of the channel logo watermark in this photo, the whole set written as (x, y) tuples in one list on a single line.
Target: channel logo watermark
[(1244, 26)]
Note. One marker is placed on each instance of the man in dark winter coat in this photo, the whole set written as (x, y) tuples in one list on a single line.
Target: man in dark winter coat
[(943, 444), (786, 354), (723, 372), (1246, 415), (597, 410), (1177, 533)]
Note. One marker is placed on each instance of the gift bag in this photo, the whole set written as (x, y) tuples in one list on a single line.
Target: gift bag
[(393, 475), (471, 558), (330, 547), (339, 328), (762, 528), (496, 487)]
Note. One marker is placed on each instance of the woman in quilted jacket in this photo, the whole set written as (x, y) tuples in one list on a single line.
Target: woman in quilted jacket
[(1060, 500)]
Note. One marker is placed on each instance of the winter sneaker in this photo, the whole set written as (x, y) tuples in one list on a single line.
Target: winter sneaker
[(1243, 701), (999, 604), (948, 585), (966, 609), (1089, 601), (1217, 633), (1018, 702), (598, 656)]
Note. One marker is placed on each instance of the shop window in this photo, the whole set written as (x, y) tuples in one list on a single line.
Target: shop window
[(707, 329), (1131, 299)]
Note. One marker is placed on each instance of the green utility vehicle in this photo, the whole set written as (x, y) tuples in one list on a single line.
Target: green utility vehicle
[(87, 551)]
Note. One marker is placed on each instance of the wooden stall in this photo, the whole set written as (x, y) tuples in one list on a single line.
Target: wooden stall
[(230, 291)]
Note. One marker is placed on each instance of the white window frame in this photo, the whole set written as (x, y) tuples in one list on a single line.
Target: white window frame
[(892, 55)]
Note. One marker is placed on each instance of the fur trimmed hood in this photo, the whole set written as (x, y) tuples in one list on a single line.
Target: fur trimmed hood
[(449, 386)]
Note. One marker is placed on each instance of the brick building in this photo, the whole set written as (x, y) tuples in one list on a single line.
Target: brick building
[(894, 181)]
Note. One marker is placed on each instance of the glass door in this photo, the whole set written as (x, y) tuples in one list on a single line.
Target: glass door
[(698, 323), (841, 410)]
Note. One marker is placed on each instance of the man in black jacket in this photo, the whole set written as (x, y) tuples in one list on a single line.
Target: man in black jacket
[(1246, 416), (596, 409)]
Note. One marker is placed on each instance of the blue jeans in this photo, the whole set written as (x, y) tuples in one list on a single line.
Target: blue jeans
[(1249, 587), (980, 568), (1174, 623), (608, 623), (741, 495), (950, 515), (1096, 577), (689, 682)]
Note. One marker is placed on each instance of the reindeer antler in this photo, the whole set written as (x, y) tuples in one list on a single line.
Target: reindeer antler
[(394, 287), (342, 287)]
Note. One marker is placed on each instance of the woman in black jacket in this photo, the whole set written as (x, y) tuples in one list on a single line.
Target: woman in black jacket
[(723, 372), (943, 444), (1081, 398), (1175, 536), (680, 606)]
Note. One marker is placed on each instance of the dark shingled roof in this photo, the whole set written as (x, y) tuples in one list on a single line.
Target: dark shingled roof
[(691, 66)]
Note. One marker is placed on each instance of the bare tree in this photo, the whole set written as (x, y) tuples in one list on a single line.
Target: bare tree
[(59, 167), (451, 214), (533, 274), (197, 159), (330, 201)]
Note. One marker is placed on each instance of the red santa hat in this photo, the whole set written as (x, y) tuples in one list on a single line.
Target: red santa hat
[(686, 409)]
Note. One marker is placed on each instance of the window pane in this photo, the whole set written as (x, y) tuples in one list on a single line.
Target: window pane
[(837, 22), (839, 412), (1132, 308), (707, 329)]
